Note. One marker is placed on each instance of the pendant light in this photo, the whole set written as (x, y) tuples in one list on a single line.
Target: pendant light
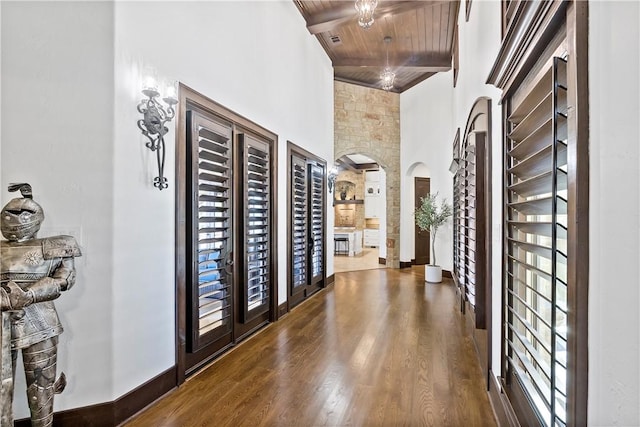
[(387, 76), (365, 9)]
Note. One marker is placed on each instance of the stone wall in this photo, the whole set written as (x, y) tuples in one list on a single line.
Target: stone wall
[(367, 121)]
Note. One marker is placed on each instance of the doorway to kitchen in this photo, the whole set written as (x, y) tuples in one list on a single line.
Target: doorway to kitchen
[(359, 201)]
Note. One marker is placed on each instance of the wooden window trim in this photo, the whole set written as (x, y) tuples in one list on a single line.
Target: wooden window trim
[(292, 148), (190, 97), (534, 26)]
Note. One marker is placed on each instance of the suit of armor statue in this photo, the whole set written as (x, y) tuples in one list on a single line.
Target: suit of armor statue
[(33, 273)]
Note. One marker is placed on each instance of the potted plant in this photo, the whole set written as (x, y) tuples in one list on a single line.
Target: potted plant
[(429, 218)]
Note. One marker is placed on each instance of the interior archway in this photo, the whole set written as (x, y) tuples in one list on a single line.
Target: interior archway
[(360, 214)]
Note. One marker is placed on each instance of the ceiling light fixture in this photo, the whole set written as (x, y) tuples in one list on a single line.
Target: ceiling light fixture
[(387, 76), (365, 10)]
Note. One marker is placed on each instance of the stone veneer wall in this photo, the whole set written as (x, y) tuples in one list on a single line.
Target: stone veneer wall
[(367, 121)]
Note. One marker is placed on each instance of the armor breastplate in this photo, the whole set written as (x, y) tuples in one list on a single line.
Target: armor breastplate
[(25, 263)]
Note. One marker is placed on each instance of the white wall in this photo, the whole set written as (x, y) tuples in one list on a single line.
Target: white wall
[(382, 236), (275, 75), (426, 132), (71, 75), (614, 206), (430, 114), (479, 44), (57, 134)]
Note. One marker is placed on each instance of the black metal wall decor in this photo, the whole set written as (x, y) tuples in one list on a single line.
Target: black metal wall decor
[(331, 178), (152, 125)]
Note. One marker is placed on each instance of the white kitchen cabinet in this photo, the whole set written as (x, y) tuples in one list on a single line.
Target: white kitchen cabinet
[(371, 237), (372, 206)]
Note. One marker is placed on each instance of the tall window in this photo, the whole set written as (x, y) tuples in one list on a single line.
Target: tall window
[(307, 223), (542, 68), (226, 228), (472, 189), (256, 192), (536, 245)]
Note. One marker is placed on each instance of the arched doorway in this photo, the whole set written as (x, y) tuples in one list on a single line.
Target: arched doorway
[(418, 178), (360, 221)]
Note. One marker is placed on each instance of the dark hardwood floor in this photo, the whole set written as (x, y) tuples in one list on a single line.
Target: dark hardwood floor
[(377, 348)]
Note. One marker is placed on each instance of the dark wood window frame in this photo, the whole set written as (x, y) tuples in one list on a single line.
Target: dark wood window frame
[(190, 99), (473, 226), (297, 151), (456, 55), (472, 197), (533, 33)]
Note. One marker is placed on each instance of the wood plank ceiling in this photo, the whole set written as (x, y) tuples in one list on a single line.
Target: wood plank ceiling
[(422, 39)]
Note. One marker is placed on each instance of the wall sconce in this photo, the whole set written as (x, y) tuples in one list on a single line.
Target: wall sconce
[(152, 124), (331, 178)]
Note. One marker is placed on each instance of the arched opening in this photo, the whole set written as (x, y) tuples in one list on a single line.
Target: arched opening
[(360, 214), (418, 179)]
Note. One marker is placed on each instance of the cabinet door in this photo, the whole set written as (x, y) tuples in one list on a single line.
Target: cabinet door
[(371, 207), (371, 237)]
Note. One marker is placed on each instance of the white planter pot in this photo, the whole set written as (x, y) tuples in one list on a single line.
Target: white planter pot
[(433, 273)]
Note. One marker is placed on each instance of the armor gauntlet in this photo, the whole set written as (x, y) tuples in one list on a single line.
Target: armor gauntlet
[(5, 302), (50, 288), (46, 289), (12, 297)]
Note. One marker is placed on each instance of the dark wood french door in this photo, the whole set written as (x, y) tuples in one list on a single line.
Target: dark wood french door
[(307, 225), (227, 289), (422, 188), (210, 243)]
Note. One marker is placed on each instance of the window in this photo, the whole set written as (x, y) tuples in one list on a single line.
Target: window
[(542, 69), (536, 244), (472, 210), (226, 262), (307, 223)]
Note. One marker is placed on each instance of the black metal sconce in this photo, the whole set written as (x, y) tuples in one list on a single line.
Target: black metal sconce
[(453, 167), (331, 178), (152, 124)]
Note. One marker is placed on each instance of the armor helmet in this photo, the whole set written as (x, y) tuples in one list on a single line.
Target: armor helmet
[(20, 219)]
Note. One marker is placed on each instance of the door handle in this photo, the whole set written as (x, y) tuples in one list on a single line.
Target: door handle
[(310, 244), (228, 264)]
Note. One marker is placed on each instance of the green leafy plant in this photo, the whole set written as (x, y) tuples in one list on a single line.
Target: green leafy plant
[(429, 217)]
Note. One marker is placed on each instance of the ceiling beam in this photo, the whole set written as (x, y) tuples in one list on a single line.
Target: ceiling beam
[(369, 166), (345, 12), (420, 64), (347, 164), (372, 85)]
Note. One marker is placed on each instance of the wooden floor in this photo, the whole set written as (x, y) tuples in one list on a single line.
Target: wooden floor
[(378, 348), (365, 260)]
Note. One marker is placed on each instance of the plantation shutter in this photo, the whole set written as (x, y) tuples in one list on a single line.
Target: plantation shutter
[(299, 218), (469, 222), (210, 283), (536, 244), (316, 179), (256, 192)]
